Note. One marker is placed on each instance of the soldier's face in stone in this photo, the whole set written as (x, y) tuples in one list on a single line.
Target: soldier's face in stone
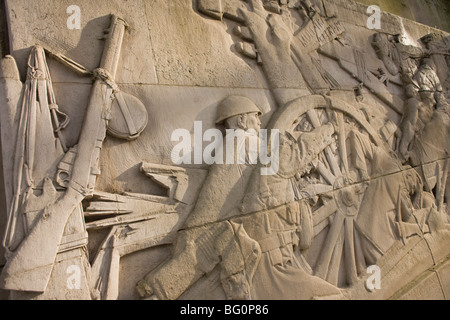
[(253, 121)]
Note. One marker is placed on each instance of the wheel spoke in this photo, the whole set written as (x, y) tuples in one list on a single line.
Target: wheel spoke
[(324, 212), (333, 271), (332, 161), (326, 174), (322, 225), (359, 254), (314, 118), (315, 121), (350, 260), (342, 141), (323, 263)]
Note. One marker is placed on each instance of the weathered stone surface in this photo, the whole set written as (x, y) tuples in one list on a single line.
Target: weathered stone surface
[(433, 13), (120, 180)]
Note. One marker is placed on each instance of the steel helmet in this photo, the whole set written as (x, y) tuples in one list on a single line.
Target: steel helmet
[(235, 105)]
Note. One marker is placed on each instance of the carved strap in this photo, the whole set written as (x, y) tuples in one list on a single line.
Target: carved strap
[(106, 77), (279, 240), (126, 114)]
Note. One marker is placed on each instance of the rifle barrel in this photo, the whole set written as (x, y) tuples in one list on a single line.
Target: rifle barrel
[(96, 118)]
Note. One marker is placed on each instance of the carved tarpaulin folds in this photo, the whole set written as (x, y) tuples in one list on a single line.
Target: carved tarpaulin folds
[(35, 124), (338, 136), (39, 121)]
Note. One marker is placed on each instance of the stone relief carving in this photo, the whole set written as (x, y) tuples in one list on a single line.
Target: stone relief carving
[(360, 133)]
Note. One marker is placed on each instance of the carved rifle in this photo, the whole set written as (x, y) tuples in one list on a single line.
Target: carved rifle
[(30, 266)]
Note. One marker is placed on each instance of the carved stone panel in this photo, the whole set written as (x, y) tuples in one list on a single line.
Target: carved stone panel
[(223, 149)]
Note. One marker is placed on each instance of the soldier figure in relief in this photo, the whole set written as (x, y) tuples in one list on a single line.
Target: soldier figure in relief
[(258, 247)]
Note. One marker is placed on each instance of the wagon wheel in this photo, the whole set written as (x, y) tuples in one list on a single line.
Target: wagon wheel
[(333, 181)]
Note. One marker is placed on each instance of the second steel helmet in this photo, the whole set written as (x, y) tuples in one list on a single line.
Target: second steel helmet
[(235, 105)]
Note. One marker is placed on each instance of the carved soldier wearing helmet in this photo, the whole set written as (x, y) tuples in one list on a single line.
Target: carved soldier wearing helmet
[(248, 242)]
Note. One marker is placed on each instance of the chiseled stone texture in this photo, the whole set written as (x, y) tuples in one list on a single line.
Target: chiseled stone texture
[(107, 191), (433, 13)]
